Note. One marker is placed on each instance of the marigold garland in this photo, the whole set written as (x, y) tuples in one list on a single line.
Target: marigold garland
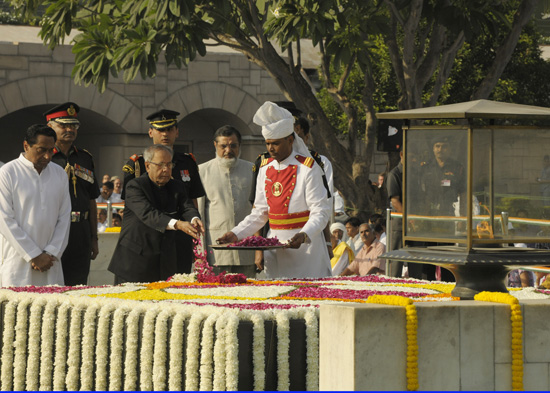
[(516, 320), (412, 327)]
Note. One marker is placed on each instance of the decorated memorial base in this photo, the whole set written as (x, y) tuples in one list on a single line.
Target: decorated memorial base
[(265, 335)]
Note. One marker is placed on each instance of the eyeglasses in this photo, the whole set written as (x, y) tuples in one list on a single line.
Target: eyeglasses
[(71, 125), (163, 165), (223, 147)]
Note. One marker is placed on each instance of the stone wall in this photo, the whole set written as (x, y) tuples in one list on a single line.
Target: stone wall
[(463, 345)]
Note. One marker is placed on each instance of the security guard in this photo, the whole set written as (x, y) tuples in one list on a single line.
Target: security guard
[(83, 188), (163, 130)]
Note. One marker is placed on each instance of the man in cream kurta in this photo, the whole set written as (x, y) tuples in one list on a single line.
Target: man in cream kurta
[(35, 210), (291, 195), (227, 182)]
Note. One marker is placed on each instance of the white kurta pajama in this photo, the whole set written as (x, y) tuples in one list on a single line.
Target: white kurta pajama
[(309, 194), (225, 204), (35, 211)]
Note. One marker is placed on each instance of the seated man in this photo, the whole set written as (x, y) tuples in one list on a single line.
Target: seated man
[(101, 220), (107, 194), (367, 261), (352, 227), (343, 254)]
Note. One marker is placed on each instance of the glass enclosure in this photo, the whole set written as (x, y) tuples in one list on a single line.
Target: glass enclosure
[(489, 186)]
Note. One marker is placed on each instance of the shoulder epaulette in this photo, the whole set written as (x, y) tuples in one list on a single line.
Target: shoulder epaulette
[(128, 169), (135, 157), (192, 156), (265, 161), (86, 151), (307, 161)]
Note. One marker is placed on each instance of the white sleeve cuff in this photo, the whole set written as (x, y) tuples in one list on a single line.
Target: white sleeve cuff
[(172, 224)]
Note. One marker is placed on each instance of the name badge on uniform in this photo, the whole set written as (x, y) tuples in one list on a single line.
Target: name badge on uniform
[(185, 175), (445, 183)]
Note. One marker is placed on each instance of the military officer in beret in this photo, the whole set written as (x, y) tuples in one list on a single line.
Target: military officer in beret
[(83, 189), (163, 129)]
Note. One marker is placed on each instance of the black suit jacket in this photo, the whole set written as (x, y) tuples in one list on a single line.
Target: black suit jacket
[(146, 251)]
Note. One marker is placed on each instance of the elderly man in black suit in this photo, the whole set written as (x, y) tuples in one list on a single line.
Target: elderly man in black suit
[(156, 207)]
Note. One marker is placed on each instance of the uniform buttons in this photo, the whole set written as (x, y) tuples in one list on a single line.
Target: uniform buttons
[(287, 197), (286, 204), (293, 175), (292, 183)]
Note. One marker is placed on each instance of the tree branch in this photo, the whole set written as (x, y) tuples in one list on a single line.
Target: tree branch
[(505, 51)]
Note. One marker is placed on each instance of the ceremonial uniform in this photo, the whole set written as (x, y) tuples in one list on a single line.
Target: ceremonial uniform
[(79, 166), (292, 196), (322, 161)]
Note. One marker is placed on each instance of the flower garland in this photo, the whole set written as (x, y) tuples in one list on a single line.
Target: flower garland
[(219, 354), (117, 341), (60, 362), (258, 349), (73, 357), (88, 341), (19, 361), (33, 361), (207, 347), (101, 354), (159, 353), (176, 343), (283, 346), (191, 364), (312, 339), (516, 320), (147, 348), (8, 337), (130, 360), (412, 328), (46, 338), (232, 353)]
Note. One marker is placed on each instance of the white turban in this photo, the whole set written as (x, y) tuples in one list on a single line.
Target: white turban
[(337, 225), (278, 123), (340, 226)]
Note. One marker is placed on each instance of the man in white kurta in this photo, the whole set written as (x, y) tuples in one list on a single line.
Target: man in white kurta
[(290, 194), (35, 213), (227, 182)]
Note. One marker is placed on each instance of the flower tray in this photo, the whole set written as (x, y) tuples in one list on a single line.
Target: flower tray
[(230, 247)]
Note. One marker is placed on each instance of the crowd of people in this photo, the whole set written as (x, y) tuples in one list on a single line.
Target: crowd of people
[(49, 216)]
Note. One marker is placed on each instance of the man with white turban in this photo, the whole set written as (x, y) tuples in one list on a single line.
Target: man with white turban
[(343, 254), (290, 194)]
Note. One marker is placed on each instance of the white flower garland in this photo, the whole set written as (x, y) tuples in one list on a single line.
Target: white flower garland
[(20, 361), (176, 345), (191, 358), (147, 347), (88, 341), (8, 338), (47, 341), (159, 353), (283, 344), (219, 354), (117, 342), (130, 360), (59, 371), (101, 353), (232, 353), (33, 361), (206, 353), (258, 350), (312, 346), (73, 358)]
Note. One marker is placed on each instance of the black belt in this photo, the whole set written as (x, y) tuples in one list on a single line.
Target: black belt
[(79, 216)]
